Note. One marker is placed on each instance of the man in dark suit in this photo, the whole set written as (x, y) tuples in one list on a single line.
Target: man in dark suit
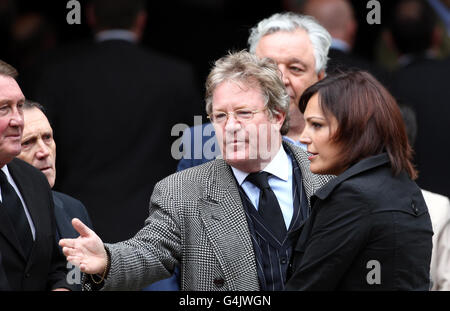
[(421, 83), (30, 255), (39, 150), (4, 285), (112, 105), (337, 16)]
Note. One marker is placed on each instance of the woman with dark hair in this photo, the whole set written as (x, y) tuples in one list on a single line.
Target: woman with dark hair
[(369, 227)]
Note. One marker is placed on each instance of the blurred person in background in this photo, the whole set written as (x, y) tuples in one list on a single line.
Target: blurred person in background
[(102, 102), (39, 150), (439, 209), (337, 16), (420, 82)]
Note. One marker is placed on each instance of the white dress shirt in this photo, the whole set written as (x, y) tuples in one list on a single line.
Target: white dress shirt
[(13, 184), (281, 183), (116, 34)]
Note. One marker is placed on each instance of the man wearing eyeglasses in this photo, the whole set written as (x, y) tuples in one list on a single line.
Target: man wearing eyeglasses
[(299, 45), (229, 224)]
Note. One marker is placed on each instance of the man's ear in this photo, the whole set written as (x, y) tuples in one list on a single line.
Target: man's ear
[(321, 75), (279, 117), (140, 23), (90, 16)]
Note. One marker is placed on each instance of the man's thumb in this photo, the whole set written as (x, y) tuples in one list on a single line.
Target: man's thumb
[(81, 228)]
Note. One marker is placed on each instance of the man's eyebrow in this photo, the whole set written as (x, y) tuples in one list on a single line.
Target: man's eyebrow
[(297, 60), (7, 101), (29, 138)]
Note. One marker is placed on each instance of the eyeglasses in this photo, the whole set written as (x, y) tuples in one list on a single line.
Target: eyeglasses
[(240, 115)]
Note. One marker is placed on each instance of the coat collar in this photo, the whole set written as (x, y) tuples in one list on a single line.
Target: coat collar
[(362, 166)]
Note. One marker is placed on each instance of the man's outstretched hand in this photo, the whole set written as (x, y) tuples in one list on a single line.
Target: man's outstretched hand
[(87, 251)]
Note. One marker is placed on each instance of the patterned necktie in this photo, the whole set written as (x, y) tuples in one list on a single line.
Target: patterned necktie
[(268, 207), (15, 210)]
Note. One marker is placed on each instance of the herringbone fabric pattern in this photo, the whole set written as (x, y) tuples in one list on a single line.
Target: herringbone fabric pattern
[(197, 221)]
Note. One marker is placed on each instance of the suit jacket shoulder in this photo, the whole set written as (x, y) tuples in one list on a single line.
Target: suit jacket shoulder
[(44, 266), (23, 169), (67, 208)]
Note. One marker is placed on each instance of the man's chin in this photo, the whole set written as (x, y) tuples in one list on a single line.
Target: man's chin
[(8, 157), (238, 159), (14, 152), (50, 176)]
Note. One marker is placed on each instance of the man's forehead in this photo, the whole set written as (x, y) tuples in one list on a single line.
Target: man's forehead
[(34, 118), (287, 35), (286, 46), (10, 90)]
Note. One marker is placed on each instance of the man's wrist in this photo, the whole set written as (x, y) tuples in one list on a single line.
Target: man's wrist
[(100, 278)]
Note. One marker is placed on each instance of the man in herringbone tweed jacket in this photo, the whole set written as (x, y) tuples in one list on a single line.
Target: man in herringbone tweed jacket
[(198, 219)]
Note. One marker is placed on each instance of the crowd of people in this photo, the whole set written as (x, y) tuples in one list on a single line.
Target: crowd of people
[(315, 165)]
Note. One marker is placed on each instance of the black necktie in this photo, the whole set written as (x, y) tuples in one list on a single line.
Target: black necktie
[(14, 208), (268, 207)]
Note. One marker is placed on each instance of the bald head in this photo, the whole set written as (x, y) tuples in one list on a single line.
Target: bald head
[(335, 15)]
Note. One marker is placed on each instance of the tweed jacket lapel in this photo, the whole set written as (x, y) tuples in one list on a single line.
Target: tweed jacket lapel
[(223, 215), (311, 182)]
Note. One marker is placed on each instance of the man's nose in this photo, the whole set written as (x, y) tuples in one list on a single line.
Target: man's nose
[(284, 74), (231, 123), (43, 150), (16, 118)]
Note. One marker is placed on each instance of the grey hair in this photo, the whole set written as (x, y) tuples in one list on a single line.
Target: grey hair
[(30, 104), (320, 38), (7, 70), (246, 68)]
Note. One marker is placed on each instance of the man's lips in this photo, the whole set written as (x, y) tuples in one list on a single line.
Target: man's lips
[(46, 169), (232, 140), (14, 135)]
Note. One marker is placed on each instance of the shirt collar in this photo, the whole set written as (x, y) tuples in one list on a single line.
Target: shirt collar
[(6, 171), (340, 45), (8, 178), (115, 34), (279, 166)]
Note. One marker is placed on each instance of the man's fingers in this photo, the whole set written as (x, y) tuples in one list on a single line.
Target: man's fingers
[(81, 228), (68, 251), (67, 243), (75, 260), (84, 268)]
